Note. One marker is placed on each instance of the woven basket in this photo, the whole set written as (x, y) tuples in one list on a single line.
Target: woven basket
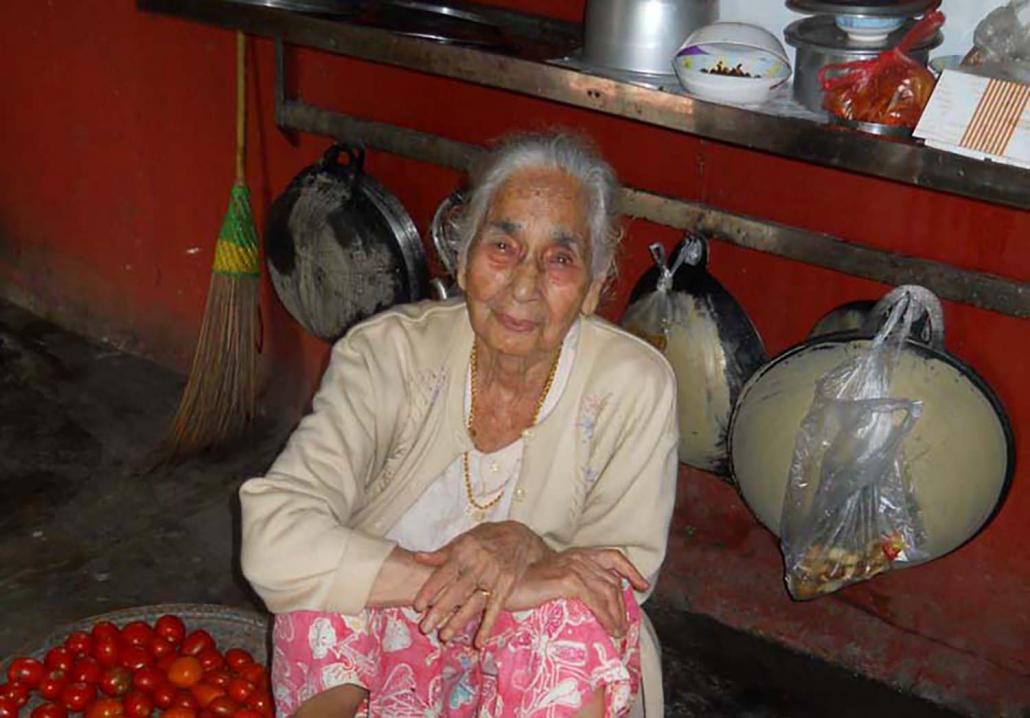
[(230, 627)]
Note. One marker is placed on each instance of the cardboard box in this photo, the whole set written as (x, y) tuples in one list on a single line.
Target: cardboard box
[(978, 117)]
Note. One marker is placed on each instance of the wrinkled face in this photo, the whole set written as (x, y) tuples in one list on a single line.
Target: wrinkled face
[(527, 275)]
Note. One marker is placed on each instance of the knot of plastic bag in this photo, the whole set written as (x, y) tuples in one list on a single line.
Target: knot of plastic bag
[(667, 273)]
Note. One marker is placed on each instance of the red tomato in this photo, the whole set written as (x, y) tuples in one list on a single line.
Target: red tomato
[(222, 706), (240, 689), (253, 673), (17, 693), (165, 663), (179, 712), (49, 710), (164, 695), (160, 647), (218, 678), (185, 699), (205, 693), (116, 681), (86, 670), (108, 652), (52, 685), (76, 696), (8, 709), (261, 703), (205, 713), (185, 671), (79, 643), (106, 708), (196, 642), (26, 670), (147, 679), (136, 633), (171, 628), (105, 630), (246, 713), (59, 659), (237, 658), (134, 657), (138, 705), (210, 659)]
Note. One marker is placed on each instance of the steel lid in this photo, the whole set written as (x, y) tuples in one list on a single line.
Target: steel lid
[(822, 32), (867, 8)]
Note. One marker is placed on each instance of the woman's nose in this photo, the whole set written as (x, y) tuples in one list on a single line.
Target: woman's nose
[(526, 280)]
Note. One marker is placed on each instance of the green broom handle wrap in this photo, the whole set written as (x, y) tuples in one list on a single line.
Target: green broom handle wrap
[(236, 251)]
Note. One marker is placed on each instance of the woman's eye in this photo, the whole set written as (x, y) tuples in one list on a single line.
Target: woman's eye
[(564, 260)]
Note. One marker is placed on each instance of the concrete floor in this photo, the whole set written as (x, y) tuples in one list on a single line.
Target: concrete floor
[(85, 528)]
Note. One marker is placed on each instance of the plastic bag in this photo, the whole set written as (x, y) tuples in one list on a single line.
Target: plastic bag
[(1004, 35), (653, 317), (889, 89), (1002, 44), (849, 512)]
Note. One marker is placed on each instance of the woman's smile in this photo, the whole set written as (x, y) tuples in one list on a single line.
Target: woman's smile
[(516, 325)]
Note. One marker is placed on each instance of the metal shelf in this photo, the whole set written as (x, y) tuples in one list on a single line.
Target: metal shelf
[(520, 67)]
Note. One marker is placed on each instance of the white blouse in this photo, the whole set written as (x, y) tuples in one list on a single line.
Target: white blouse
[(443, 511)]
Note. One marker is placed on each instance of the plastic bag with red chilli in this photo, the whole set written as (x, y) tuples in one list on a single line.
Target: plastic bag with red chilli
[(889, 89)]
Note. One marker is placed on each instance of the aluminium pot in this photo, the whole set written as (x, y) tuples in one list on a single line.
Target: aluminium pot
[(819, 42), (641, 35), (341, 247), (960, 454)]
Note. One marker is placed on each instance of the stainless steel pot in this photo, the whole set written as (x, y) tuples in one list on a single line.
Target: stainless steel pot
[(820, 42), (641, 35)]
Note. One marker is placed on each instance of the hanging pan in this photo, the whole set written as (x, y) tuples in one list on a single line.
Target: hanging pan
[(960, 454), (341, 247), (709, 341)]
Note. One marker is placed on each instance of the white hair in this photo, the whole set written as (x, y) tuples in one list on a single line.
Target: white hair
[(563, 151)]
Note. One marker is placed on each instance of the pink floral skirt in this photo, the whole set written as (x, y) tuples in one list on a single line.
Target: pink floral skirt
[(544, 663)]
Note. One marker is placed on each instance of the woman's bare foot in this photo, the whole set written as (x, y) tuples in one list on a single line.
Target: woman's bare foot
[(594, 707), (338, 702)]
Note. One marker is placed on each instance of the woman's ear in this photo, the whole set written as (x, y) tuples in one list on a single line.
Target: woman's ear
[(593, 297), (462, 267)]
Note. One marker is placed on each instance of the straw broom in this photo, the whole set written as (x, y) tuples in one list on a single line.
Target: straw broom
[(218, 402)]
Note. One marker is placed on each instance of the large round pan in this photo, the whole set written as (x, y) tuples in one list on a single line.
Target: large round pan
[(341, 247), (713, 350), (960, 454)]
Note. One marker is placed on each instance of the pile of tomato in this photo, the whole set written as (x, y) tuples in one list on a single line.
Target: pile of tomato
[(139, 671)]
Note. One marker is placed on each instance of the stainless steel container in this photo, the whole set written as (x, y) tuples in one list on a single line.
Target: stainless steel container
[(641, 35), (820, 42)]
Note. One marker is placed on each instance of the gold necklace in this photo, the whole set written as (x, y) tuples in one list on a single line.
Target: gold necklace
[(479, 510)]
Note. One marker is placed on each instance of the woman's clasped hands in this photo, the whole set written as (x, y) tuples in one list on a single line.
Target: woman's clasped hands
[(506, 566)]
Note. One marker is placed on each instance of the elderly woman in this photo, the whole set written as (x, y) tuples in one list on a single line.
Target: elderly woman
[(468, 519)]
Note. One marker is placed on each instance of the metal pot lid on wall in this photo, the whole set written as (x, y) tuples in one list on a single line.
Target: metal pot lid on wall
[(340, 247), (960, 454), (708, 339)]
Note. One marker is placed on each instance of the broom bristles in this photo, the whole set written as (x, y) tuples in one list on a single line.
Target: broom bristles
[(218, 402)]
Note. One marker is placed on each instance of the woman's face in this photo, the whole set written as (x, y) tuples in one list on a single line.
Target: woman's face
[(527, 275)]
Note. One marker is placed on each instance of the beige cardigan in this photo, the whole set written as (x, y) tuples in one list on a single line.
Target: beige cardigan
[(599, 469)]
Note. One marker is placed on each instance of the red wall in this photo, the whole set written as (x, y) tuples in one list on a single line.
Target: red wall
[(117, 145)]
